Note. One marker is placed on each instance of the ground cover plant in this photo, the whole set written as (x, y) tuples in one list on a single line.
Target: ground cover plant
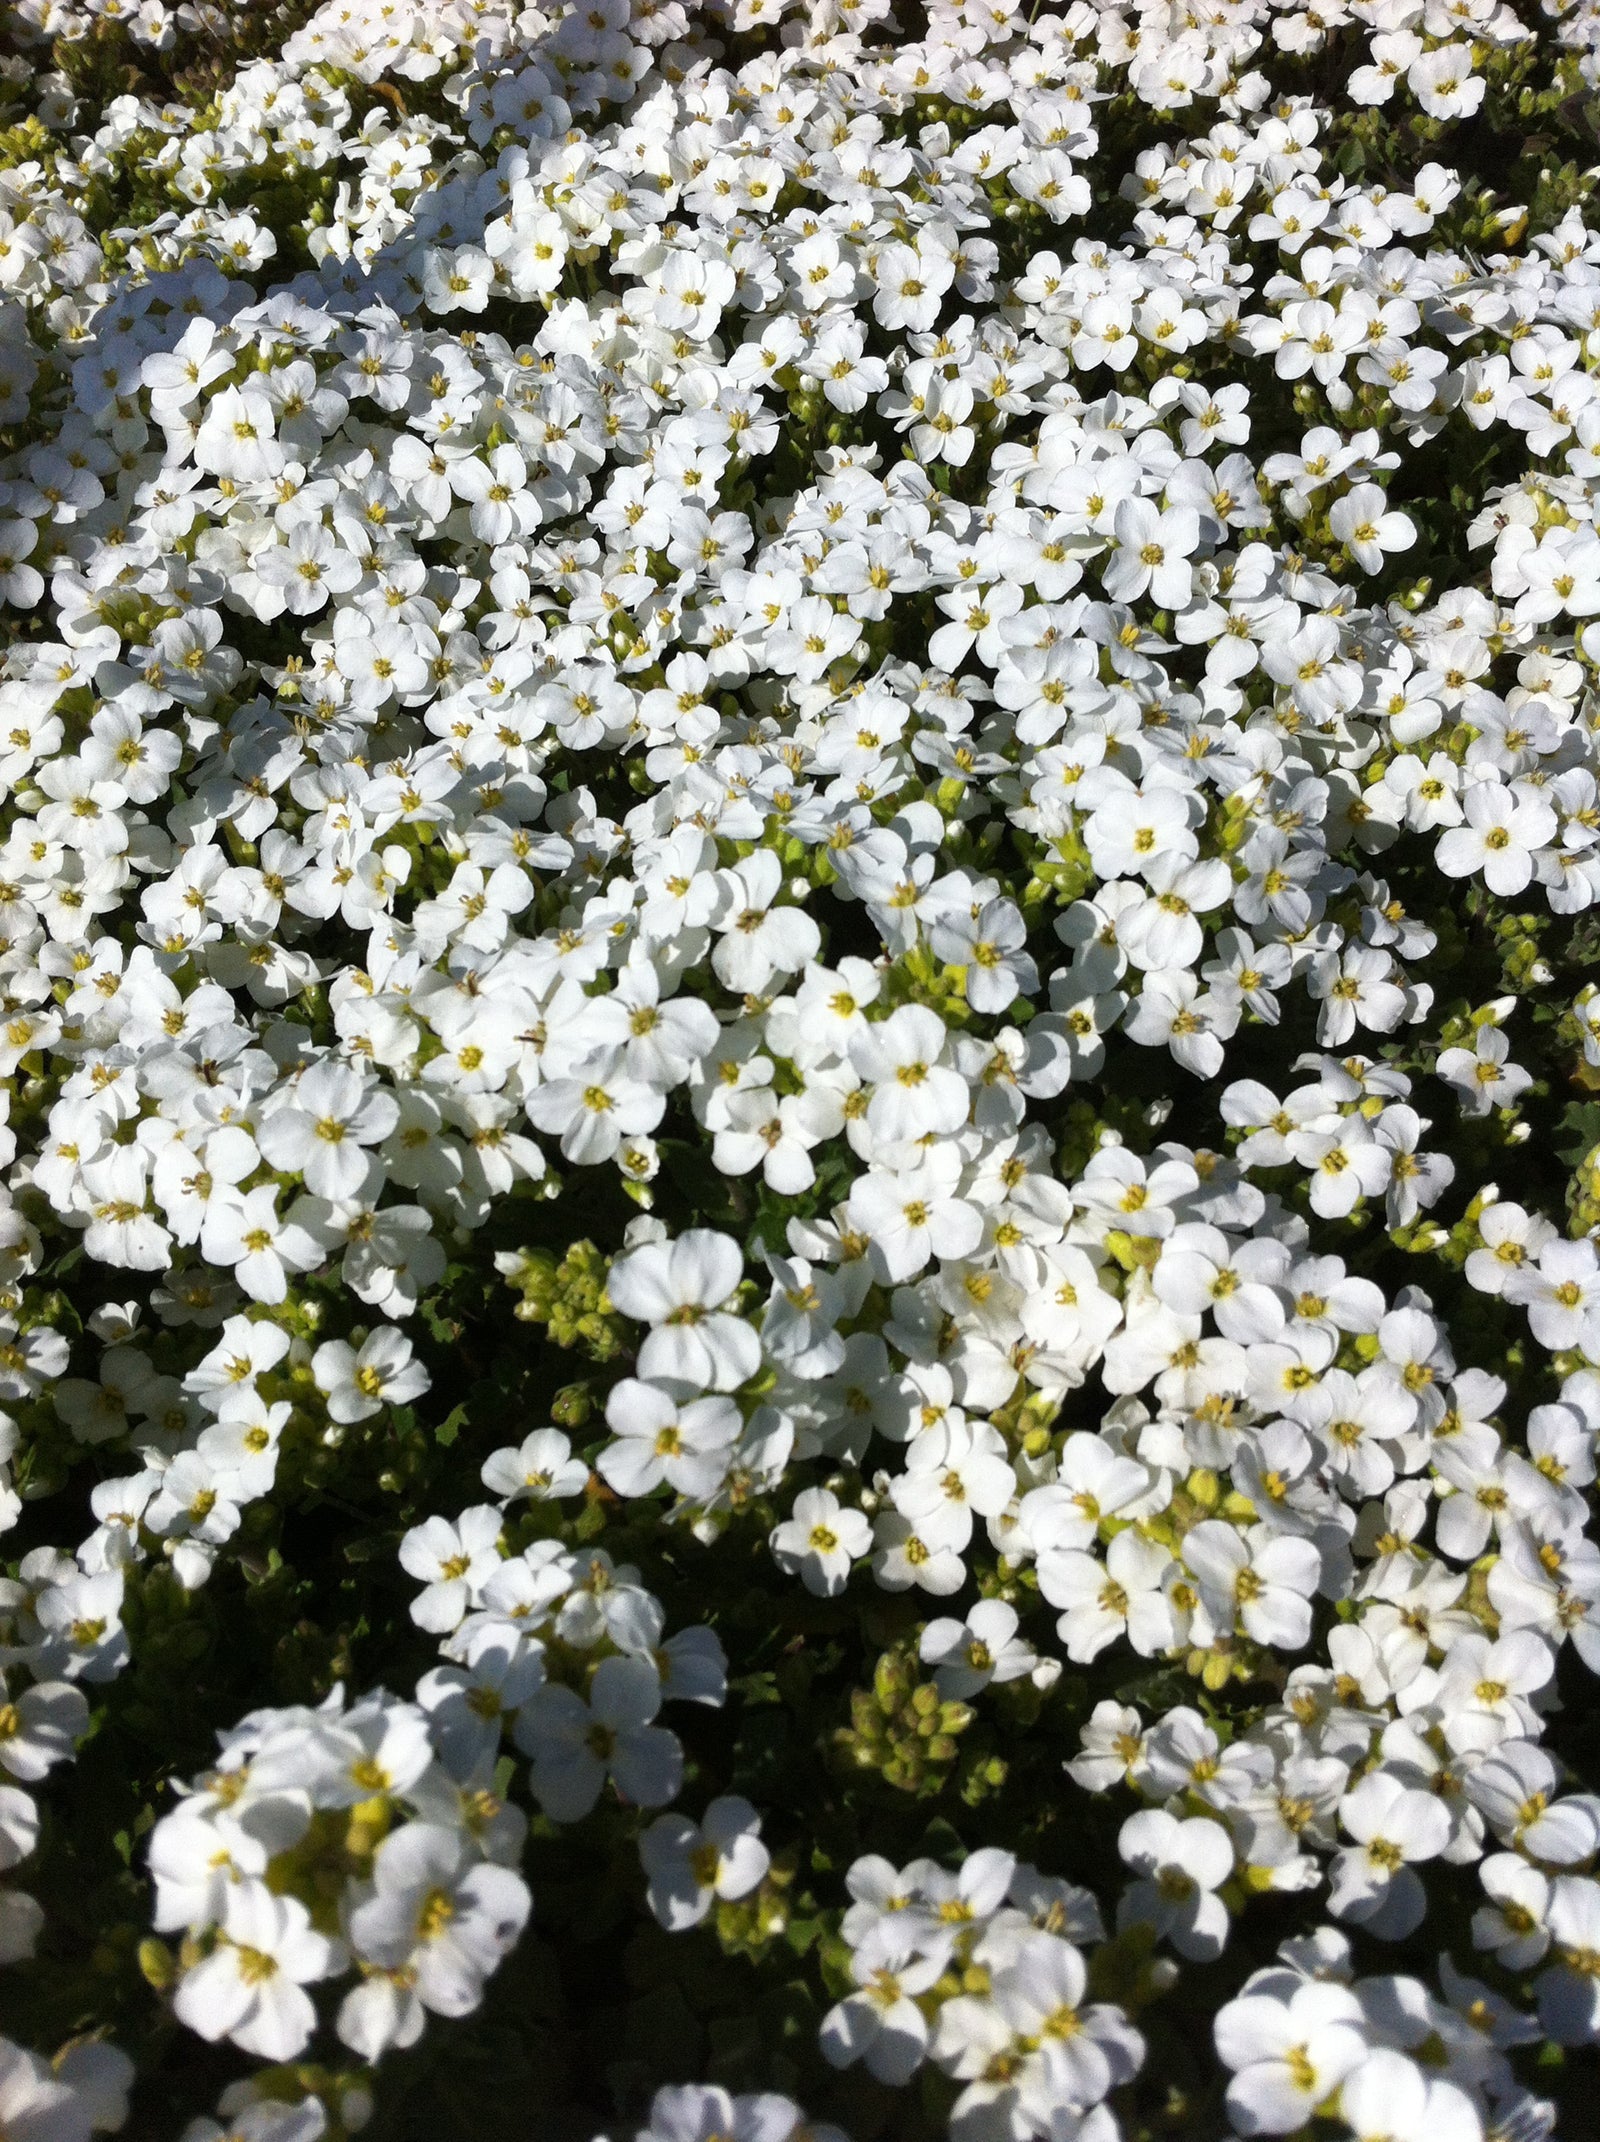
[(799, 1071)]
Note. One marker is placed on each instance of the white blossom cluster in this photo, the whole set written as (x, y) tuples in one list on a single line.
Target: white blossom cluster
[(1034, 2056), (999, 694)]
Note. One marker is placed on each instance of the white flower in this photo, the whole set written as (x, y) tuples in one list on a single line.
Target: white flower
[(759, 939), (1181, 1865), (41, 1727), (693, 2112), (1443, 83), (913, 1093), (594, 1116), (659, 1440), (452, 1562), (681, 1290), (1512, 1924), (358, 1384), (1389, 2099), (820, 1540), (1503, 833), (576, 1746), (33, 2103), (1261, 1580), (1153, 549), (1036, 2003), (440, 1915), (1368, 528), (267, 2120), (1561, 1294), (198, 1853), (690, 1865), (468, 1705), (882, 2023), (251, 1986), (1288, 2055), (541, 1466), (247, 1233), (1393, 1824), (967, 1655), (909, 284), (1482, 1075), (1126, 1595), (1569, 2005), (237, 438), (913, 1216)]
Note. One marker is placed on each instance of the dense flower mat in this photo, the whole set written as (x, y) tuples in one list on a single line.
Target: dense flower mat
[(799, 1323)]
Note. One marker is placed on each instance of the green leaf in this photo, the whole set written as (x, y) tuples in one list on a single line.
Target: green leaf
[(1578, 1131)]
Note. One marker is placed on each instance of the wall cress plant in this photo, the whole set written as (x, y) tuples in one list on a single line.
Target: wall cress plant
[(799, 1070)]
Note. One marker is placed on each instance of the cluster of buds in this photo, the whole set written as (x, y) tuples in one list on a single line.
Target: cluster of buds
[(569, 1298), (902, 1727)]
